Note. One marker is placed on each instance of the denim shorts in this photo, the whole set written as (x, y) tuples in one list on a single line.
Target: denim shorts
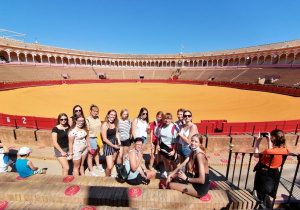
[(184, 150), (93, 142)]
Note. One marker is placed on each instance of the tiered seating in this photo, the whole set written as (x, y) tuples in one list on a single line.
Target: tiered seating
[(93, 191)]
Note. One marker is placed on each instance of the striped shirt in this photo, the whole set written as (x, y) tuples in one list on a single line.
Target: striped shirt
[(124, 129)]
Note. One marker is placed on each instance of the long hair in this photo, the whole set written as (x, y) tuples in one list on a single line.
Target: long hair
[(279, 138), (141, 112), (116, 118), (61, 115), (74, 113), (200, 137), (84, 127)]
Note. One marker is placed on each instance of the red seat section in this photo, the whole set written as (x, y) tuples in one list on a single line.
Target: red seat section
[(256, 127), (45, 123), (275, 125), (25, 121), (206, 127), (8, 120), (291, 125), (234, 128)]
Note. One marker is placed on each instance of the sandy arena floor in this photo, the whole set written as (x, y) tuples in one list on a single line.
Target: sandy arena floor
[(205, 102)]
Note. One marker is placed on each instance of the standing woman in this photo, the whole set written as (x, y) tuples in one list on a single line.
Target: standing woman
[(267, 174), (154, 140), (187, 131), (61, 142), (195, 179), (79, 144), (124, 129), (140, 125), (93, 124), (77, 110), (111, 140), (167, 134)]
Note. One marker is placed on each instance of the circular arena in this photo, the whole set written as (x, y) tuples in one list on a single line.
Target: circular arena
[(233, 95)]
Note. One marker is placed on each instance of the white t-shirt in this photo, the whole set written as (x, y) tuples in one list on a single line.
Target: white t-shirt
[(3, 166)]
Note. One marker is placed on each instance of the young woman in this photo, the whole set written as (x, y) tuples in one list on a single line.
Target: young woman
[(196, 176), (267, 173), (79, 144), (77, 110), (140, 125), (154, 139), (111, 140), (187, 131), (124, 129), (93, 124), (167, 134), (61, 142), (137, 175)]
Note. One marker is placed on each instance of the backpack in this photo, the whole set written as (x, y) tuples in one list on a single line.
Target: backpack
[(122, 172)]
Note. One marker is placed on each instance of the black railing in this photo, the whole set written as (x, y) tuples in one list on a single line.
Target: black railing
[(236, 177)]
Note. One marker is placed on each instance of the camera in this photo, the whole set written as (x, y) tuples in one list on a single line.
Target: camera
[(263, 134)]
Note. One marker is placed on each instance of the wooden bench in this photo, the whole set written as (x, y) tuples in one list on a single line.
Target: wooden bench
[(118, 196), (93, 181)]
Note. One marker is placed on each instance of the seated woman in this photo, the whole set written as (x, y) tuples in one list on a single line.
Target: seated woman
[(137, 175), (195, 181), (267, 173)]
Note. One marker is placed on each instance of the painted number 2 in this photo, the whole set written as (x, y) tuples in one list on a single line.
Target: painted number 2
[(24, 120)]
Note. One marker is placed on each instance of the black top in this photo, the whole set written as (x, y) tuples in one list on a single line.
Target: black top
[(62, 137), (111, 133)]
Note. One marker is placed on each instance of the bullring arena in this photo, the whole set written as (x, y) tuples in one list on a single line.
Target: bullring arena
[(233, 95)]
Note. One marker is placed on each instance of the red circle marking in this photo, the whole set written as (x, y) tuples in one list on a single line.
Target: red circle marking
[(135, 192), (236, 157), (217, 154), (213, 185), (3, 205), (68, 179), (20, 178), (12, 147), (205, 197), (224, 161), (89, 208), (72, 190), (207, 156), (42, 147)]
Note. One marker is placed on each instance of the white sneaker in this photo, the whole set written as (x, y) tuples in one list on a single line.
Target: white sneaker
[(164, 175), (112, 176), (93, 174), (98, 168)]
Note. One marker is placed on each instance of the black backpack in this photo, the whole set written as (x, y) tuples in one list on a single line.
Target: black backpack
[(122, 172)]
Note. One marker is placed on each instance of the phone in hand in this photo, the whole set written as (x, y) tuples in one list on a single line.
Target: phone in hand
[(264, 134)]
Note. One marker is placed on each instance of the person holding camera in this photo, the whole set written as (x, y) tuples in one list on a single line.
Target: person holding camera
[(267, 174), (195, 179), (136, 174)]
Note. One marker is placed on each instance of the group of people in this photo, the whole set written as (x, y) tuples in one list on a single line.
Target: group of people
[(177, 143)]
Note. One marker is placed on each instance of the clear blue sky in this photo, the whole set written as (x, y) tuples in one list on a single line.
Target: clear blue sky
[(152, 27)]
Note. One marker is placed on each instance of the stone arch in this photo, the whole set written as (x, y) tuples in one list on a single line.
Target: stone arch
[(275, 59), (13, 57), (261, 60), (297, 58), (254, 60), (236, 61), (22, 57), (44, 59), (3, 55), (242, 61), (282, 59), (268, 59), (290, 58)]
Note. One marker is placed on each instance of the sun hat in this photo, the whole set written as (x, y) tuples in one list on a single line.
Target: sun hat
[(24, 151)]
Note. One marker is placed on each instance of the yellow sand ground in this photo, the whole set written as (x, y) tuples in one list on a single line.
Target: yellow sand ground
[(205, 102)]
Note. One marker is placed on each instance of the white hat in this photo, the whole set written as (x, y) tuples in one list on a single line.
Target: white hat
[(24, 151)]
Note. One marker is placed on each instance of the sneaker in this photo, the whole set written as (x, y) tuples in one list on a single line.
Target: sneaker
[(112, 176), (164, 175), (98, 168), (93, 174)]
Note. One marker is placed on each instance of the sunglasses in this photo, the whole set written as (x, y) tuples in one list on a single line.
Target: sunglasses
[(77, 110), (187, 115), (145, 114), (63, 119)]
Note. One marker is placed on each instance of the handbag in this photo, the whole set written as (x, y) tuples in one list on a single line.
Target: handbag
[(99, 141), (122, 172)]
